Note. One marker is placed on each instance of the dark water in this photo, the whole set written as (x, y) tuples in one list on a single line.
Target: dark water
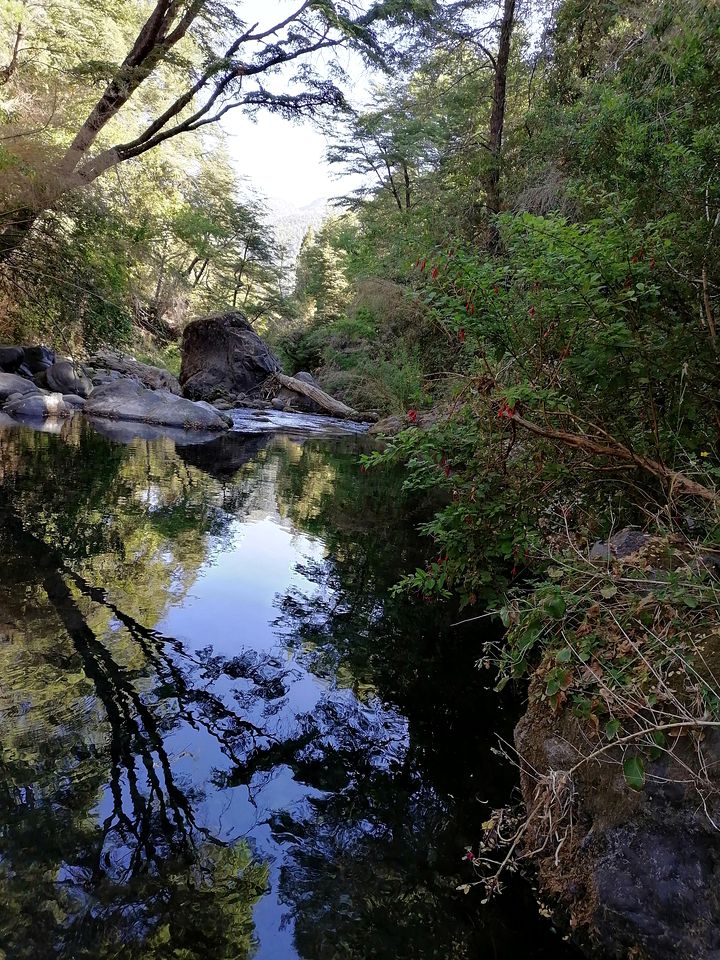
[(221, 735)]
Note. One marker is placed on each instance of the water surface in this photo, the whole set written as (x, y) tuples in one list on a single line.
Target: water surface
[(222, 736)]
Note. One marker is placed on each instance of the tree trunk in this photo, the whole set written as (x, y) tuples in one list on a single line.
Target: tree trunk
[(497, 117)]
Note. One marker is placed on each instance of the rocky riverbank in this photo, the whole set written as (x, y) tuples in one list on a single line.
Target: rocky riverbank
[(226, 365)]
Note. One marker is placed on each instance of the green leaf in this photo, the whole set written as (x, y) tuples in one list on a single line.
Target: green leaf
[(634, 771), (564, 655), (556, 607), (612, 728), (609, 591)]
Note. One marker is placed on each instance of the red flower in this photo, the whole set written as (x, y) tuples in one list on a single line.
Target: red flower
[(447, 470), (514, 572), (652, 263), (470, 856), (434, 273), (532, 311), (506, 411), (461, 334), (423, 264), (412, 416), (470, 308)]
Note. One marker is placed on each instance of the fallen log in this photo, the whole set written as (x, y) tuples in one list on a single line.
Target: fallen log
[(318, 396)]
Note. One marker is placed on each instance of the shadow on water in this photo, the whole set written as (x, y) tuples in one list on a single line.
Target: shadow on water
[(222, 736)]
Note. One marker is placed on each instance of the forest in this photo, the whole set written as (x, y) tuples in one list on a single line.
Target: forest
[(524, 287)]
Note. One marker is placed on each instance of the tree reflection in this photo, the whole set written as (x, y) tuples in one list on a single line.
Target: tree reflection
[(103, 853), (374, 862), (112, 841)]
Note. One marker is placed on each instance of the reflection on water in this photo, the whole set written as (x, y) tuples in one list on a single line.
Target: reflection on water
[(221, 736)]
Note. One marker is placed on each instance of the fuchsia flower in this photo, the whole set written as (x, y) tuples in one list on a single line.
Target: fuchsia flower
[(506, 412), (461, 335), (412, 416), (434, 273)]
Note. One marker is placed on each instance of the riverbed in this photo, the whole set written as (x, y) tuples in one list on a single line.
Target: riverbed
[(223, 736)]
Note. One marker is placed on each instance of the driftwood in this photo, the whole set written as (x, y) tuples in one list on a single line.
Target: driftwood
[(318, 396)]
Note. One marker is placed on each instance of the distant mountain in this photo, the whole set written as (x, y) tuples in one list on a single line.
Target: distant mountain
[(291, 222)]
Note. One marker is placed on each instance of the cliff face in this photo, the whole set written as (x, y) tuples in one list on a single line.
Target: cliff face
[(636, 874)]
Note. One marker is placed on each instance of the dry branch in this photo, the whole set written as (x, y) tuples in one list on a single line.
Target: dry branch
[(619, 451)]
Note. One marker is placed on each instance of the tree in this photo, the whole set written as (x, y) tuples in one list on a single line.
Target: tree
[(234, 61)]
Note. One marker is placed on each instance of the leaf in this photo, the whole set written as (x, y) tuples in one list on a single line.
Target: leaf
[(612, 728), (634, 771), (564, 656), (555, 573), (556, 607), (609, 591)]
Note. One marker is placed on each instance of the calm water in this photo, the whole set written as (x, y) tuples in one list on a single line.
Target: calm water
[(221, 736)]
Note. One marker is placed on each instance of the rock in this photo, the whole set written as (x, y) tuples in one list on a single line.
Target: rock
[(639, 873), (36, 406), (213, 409), (620, 546), (155, 378), (6, 421), (223, 405), (388, 427), (126, 399), (12, 383), (278, 403), (11, 358), (106, 376), (38, 358), (41, 380), (72, 400), (222, 355), (65, 377)]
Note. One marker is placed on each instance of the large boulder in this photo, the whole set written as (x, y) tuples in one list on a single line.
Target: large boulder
[(38, 406), (65, 377), (121, 364), (127, 399), (223, 356), (11, 383)]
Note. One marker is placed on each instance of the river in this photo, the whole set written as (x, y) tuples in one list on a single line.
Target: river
[(222, 735)]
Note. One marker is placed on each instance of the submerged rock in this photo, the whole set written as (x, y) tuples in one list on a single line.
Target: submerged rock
[(39, 406), (126, 399), (223, 357)]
